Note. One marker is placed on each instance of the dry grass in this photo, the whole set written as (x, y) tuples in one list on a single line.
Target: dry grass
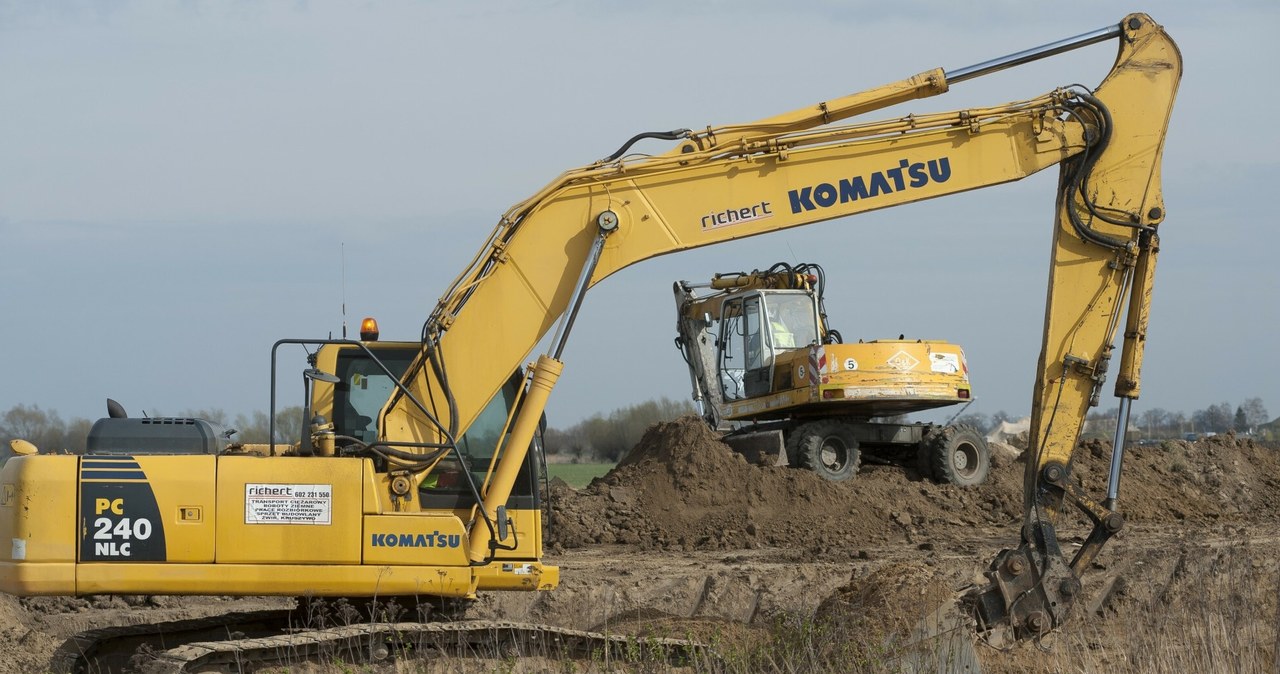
[(1205, 608)]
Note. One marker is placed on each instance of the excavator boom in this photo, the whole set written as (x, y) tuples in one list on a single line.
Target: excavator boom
[(802, 167)]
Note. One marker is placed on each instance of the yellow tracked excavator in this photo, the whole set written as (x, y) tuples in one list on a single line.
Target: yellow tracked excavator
[(417, 473), (770, 373)]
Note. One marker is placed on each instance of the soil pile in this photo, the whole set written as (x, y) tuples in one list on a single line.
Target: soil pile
[(1220, 477), (681, 488)]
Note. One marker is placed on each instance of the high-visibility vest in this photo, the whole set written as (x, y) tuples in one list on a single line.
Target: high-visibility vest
[(782, 337)]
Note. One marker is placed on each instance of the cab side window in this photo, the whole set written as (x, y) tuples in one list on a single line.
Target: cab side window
[(447, 486)]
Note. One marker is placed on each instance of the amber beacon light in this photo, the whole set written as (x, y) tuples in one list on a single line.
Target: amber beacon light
[(369, 330)]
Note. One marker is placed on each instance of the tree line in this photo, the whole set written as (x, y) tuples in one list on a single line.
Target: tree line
[(48, 431), (599, 438), (605, 438), (1248, 417)]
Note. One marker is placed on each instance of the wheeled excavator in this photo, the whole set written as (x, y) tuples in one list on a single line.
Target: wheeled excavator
[(771, 374), (170, 506)]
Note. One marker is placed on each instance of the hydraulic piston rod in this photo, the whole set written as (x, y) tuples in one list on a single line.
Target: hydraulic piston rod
[(1034, 54), (545, 373), (1117, 455)]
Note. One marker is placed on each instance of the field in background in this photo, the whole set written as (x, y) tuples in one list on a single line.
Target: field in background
[(578, 475)]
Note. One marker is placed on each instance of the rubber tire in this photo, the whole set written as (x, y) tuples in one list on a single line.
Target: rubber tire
[(807, 442), (959, 455)]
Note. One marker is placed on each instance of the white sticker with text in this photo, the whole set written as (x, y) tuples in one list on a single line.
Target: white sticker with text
[(288, 503)]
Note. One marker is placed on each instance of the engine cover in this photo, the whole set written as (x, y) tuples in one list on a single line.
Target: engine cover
[(160, 435)]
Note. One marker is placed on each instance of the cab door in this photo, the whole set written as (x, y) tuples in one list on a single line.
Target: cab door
[(746, 369)]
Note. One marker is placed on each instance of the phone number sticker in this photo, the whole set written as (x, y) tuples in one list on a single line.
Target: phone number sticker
[(288, 503)]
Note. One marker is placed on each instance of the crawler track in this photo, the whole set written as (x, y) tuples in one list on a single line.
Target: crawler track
[(247, 641)]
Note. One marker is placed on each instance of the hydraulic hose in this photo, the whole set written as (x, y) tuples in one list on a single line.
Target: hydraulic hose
[(1078, 183), (659, 135)]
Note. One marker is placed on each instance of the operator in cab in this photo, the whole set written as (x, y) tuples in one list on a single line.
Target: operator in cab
[(791, 323)]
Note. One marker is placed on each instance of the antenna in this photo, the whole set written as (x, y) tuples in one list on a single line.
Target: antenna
[(343, 249)]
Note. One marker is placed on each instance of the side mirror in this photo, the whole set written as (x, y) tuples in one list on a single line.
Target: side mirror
[(320, 375), (503, 523)]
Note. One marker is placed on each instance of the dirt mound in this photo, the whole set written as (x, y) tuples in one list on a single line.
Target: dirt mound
[(1219, 477), (681, 488)]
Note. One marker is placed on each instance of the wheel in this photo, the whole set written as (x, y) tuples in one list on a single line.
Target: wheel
[(959, 455), (827, 448)]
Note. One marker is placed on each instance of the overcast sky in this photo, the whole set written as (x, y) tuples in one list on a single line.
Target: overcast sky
[(179, 182)]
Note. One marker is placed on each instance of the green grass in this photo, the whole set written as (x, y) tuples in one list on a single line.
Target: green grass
[(578, 475)]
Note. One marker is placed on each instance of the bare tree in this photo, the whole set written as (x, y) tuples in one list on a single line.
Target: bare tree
[(1215, 418), (43, 429), (1255, 413), (1155, 421), (978, 420), (289, 423)]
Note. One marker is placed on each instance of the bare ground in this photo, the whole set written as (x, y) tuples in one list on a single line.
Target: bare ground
[(783, 571)]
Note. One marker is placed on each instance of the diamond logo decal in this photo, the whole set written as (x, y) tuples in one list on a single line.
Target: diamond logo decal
[(903, 361)]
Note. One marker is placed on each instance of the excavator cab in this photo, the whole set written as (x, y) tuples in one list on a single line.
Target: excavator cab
[(364, 385), (756, 329), (367, 377)]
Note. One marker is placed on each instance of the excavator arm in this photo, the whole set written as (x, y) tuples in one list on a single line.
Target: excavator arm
[(1105, 246), (821, 163)]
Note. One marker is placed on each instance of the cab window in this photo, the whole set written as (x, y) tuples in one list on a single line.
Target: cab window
[(364, 388), (446, 487)]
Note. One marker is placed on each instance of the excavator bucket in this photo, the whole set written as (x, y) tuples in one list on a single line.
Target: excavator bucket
[(764, 448)]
